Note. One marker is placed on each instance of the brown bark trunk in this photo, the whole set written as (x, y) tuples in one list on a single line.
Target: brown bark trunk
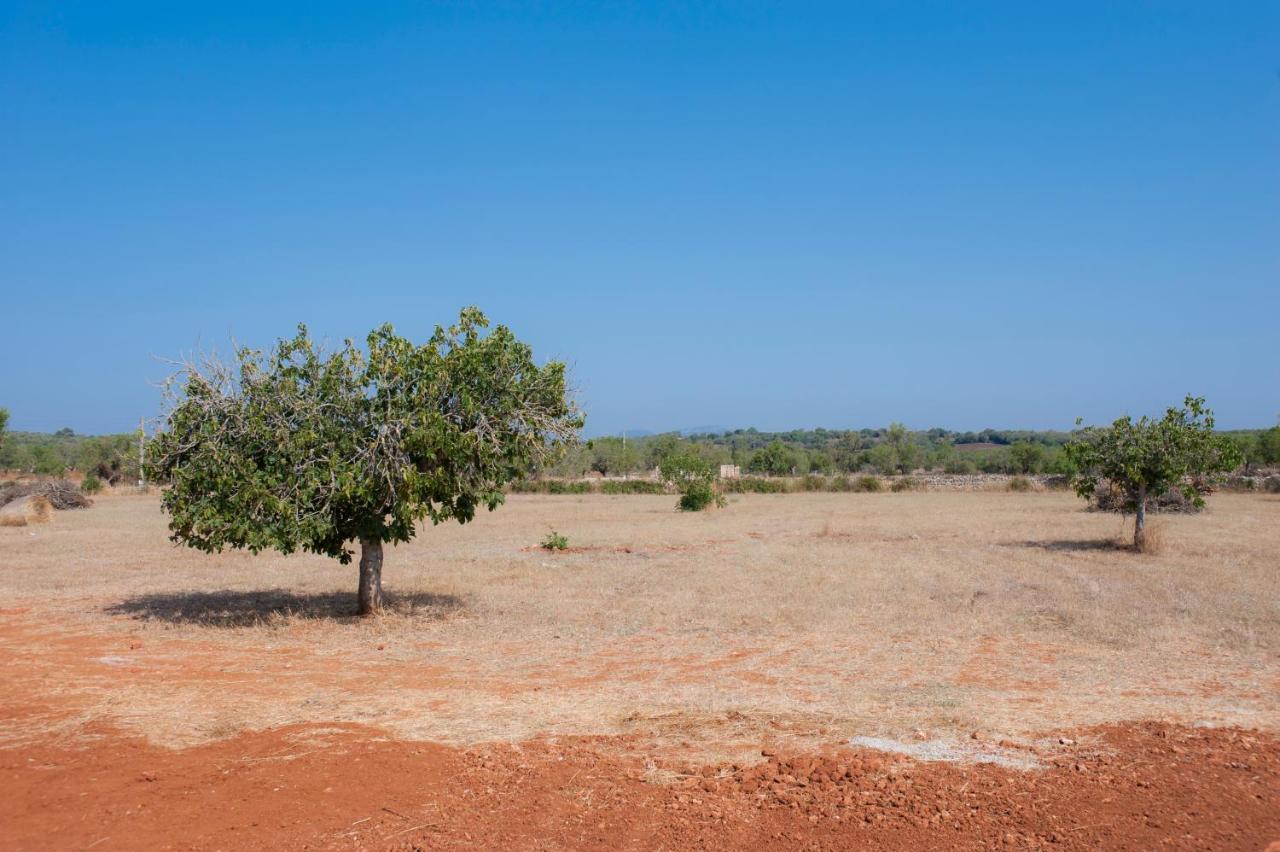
[(1140, 521), (370, 596)]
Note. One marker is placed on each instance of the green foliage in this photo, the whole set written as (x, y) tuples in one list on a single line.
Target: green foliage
[(1026, 457), (697, 496), (1146, 458), (821, 462), (555, 541), (847, 451), (632, 486), (755, 485), (550, 486), (960, 466), (4, 424), (776, 459), (90, 484), (1269, 446), (693, 476), (47, 461), (613, 456), (883, 459), (299, 449)]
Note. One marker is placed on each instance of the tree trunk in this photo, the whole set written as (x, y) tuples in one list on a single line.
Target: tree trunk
[(370, 576), (1140, 521)]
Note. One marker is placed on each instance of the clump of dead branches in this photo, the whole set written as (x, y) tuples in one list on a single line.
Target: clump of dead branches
[(60, 493)]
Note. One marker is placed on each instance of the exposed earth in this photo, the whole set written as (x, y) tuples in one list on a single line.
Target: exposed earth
[(344, 787)]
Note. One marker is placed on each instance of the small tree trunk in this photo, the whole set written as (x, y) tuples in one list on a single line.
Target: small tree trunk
[(1140, 521), (370, 576)]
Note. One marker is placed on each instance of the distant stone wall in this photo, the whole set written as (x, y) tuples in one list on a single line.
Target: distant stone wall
[(984, 481)]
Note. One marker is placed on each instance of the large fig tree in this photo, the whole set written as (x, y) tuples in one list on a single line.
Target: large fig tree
[(1146, 458), (297, 449)]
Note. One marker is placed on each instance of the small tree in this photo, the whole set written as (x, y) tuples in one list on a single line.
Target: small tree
[(301, 450), (1145, 459), (775, 459), (693, 476), (1026, 457), (4, 424)]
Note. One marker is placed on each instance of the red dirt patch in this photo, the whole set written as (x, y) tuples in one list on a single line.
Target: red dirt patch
[(1122, 787)]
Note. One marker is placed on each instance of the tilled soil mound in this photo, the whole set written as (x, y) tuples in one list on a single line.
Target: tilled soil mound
[(1140, 786)]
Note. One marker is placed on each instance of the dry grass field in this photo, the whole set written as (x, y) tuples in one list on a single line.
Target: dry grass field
[(790, 622), (809, 617)]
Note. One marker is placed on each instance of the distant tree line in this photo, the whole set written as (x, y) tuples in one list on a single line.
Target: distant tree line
[(111, 458), (892, 449), (889, 450)]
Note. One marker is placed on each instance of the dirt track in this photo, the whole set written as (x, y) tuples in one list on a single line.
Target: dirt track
[(1119, 787)]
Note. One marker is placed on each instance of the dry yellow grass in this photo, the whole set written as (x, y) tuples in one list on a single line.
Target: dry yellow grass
[(810, 617)]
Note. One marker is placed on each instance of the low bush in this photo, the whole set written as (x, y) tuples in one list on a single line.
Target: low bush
[(813, 482), (551, 486), (960, 467), (755, 485), (906, 483), (1271, 485), (632, 486), (555, 541), (868, 483), (91, 484), (697, 496), (1019, 483)]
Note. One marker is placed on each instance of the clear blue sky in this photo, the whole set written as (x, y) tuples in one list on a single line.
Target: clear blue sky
[(780, 215)]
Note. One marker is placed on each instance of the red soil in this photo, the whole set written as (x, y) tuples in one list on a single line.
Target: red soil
[(1122, 787)]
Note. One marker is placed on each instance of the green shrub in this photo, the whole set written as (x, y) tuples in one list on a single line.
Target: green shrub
[(841, 483), (632, 486), (813, 482), (695, 479), (906, 483), (699, 495), (91, 484), (960, 467), (1019, 483), (555, 541), (755, 485)]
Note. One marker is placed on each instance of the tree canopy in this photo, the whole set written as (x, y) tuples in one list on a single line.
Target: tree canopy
[(299, 449), (1146, 458)]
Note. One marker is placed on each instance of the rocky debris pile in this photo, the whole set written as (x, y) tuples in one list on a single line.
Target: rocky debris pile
[(60, 493), (985, 481), (1266, 481), (1140, 783), (1109, 498)]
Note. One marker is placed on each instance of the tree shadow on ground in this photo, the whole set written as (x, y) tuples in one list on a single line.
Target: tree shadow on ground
[(233, 608), (1070, 544)]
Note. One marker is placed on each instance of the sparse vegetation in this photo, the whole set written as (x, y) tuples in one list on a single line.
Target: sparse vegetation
[(905, 483), (1019, 483), (90, 484), (868, 484), (555, 541), (693, 476)]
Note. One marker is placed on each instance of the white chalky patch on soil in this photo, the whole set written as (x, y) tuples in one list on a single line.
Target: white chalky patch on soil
[(947, 750)]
